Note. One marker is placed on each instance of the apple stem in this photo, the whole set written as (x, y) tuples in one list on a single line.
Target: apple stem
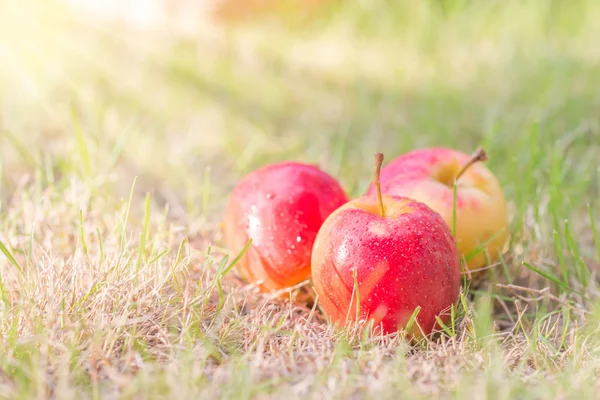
[(478, 155), (378, 163)]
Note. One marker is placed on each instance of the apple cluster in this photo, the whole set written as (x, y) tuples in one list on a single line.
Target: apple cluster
[(391, 256)]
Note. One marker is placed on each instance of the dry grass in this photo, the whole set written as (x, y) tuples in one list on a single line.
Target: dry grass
[(118, 148)]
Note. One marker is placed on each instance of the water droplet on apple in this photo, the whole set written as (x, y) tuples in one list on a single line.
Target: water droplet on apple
[(269, 195), (298, 239)]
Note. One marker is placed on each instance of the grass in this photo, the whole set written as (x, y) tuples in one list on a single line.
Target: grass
[(118, 148)]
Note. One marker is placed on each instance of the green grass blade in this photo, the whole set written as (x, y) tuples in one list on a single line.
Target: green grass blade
[(582, 269), (412, 319), (554, 279), (566, 324), (145, 235), (126, 218), (10, 257), (93, 290), (479, 249), (443, 326), (237, 259), (158, 256), (82, 147), (594, 230), (21, 148), (561, 257), (506, 270), (82, 233), (179, 255), (100, 244)]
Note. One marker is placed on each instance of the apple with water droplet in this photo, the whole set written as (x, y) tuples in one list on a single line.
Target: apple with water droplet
[(380, 257), (280, 207), (428, 175)]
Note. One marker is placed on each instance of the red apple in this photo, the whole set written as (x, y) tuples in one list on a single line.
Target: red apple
[(281, 208), (397, 252), (428, 175)]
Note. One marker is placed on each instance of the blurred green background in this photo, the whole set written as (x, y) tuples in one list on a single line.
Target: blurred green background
[(190, 112)]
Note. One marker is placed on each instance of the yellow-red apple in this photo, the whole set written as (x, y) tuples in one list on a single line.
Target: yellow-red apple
[(379, 257), (428, 175), (281, 208)]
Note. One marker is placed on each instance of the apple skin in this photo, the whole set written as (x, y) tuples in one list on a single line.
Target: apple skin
[(403, 260), (427, 175), (281, 208)]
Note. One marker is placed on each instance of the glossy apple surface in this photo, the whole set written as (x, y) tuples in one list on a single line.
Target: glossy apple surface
[(406, 259), (427, 175), (281, 208)]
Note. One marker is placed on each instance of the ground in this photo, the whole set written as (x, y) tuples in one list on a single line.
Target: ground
[(119, 146)]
